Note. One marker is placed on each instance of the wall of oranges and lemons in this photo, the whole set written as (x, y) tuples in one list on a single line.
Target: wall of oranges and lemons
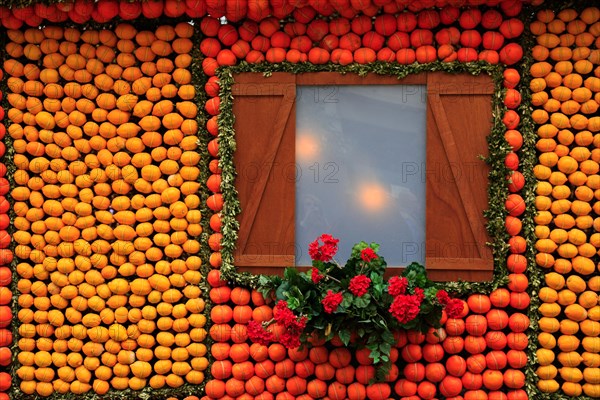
[(565, 88), (121, 282), (103, 127)]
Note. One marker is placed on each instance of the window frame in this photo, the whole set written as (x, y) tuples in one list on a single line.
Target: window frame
[(435, 87)]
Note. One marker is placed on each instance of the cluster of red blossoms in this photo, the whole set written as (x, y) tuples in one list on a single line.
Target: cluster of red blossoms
[(359, 285), (368, 255), (331, 301), (405, 307), (294, 326), (454, 308), (285, 317), (406, 303), (258, 334), (442, 297), (316, 275), (323, 252), (397, 285)]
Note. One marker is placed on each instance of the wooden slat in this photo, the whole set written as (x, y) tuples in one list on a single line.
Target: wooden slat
[(276, 78), (447, 275), (335, 78), (268, 260), (463, 84), (263, 89), (478, 262), (433, 274)]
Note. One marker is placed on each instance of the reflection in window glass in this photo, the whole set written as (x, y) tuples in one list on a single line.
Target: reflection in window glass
[(360, 154)]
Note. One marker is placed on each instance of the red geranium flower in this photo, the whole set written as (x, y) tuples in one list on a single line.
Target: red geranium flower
[(331, 301), (420, 293), (257, 334), (315, 275), (397, 285), (282, 314), (405, 308), (289, 339), (442, 297), (454, 308), (359, 285), (324, 252), (368, 255)]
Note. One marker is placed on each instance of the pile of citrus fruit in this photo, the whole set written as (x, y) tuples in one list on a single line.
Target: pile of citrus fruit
[(106, 208), (565, 90)]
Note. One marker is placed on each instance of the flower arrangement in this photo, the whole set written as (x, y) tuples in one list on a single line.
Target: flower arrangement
[(351, 301)]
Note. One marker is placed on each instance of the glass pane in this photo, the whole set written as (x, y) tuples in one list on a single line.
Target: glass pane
[(360, 175)]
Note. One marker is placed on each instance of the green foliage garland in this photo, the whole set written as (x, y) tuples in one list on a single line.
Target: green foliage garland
[(528, 159)]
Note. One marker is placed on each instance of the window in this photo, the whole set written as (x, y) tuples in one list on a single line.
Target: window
[(360, 162), (458, 119)]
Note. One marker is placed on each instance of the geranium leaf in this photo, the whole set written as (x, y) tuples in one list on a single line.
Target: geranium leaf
[(426, 308), (362, 302), (357, 249), (293, 303), (376, 279), (345, 336), (290, 273), (282, 290), (347, 302), (374, 347), (431, 292), (410, 324)]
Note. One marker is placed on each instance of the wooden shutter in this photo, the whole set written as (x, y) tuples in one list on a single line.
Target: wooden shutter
[(265, 123), (459, 113)]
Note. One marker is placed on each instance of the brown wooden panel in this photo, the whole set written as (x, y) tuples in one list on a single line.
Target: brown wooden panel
[(457, 127), (335, 78), (255, 78), (438, 275), (462, 84), (265, 135), (255, 84)]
